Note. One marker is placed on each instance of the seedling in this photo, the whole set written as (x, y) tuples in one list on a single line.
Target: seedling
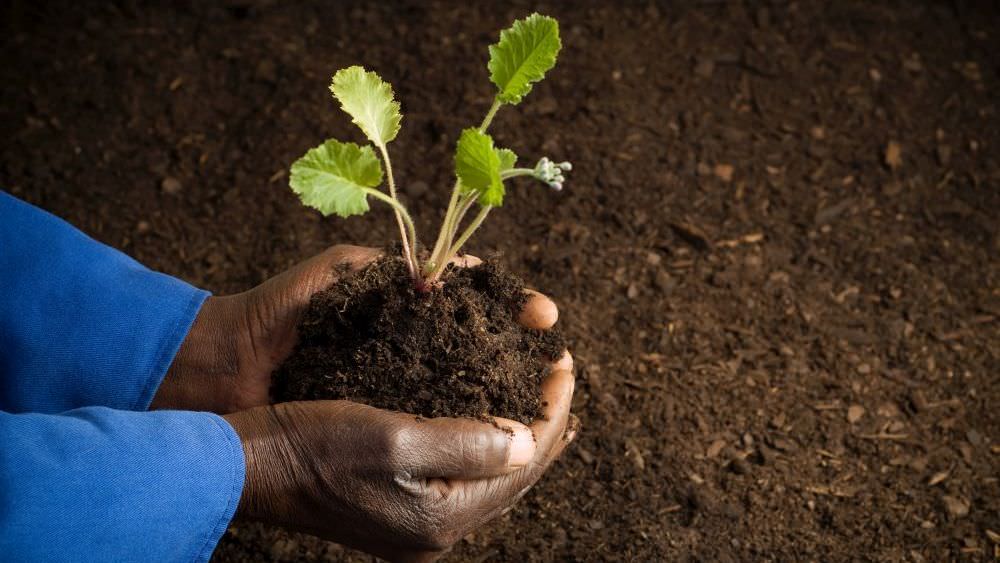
[(338, 177)]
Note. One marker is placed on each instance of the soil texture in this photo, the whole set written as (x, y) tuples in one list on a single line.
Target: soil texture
[(775, 257), (453, 351)]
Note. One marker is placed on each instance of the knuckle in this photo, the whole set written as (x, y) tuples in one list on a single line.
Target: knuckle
[(398, 441), (475, 448)]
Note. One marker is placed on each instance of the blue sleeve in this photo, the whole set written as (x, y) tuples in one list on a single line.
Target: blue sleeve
[(81, 324), (96, 484)]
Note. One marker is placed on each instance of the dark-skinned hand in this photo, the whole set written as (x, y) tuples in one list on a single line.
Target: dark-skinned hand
[(392, 484), (225, 363), (388, 483)]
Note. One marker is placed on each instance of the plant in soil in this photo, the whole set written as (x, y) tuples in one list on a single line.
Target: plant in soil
[(412, 332)]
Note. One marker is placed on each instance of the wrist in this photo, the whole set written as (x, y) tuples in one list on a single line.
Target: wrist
[(268, 487), (204, 371)]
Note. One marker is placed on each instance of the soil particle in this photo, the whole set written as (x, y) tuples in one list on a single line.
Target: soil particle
[(171, 185), (956, 507)]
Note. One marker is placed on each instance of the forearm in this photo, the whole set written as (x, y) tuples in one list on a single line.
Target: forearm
[(204, 374)]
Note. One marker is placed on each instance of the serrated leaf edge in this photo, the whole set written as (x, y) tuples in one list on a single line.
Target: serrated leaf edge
[(507, 33), (383, 87)]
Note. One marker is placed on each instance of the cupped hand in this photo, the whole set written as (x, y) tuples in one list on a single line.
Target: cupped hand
[(392, 484), (388, 483), (396, 485)]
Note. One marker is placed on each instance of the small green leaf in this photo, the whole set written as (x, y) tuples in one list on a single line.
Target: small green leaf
[(477, 164), (369, 101), (526, 51), (332, 177), (507, 159)]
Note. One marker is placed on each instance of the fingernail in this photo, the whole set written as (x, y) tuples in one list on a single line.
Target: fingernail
[(522, 447), (468, 261), (539, 312), (565, 362)]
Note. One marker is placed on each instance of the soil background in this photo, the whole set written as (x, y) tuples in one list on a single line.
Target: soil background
[(776, 256)]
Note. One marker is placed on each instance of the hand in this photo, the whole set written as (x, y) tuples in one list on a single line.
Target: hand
[(391, 484), (384, 482), (224, 364)]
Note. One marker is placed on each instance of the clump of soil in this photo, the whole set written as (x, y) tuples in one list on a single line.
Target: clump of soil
[(454, 351)]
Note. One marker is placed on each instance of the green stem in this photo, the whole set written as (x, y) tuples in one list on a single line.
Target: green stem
[(453, 250), (404, 219), (450, 223), (439, 244), (480, 217), (515, 172), (409, 246), (455, 221), (490, 115), (463, 207)]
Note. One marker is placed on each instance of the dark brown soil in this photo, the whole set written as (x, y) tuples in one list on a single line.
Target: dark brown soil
[(453, 351), (775, 258)]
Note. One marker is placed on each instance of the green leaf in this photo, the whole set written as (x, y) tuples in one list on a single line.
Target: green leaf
[(526, 51), (477, 164), (507, 159), (332, 177), (369, 101)]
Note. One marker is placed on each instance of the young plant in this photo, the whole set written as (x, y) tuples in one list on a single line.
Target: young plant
[(338, 177)]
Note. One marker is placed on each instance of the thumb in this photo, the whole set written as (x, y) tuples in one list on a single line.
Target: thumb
[(459, 448), (323, 270), (277, 304)]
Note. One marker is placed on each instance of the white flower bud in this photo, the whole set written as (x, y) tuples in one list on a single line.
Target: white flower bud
[(551, 172)]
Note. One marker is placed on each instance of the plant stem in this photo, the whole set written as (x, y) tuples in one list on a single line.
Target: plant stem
[(439, 245), (452, 216), (490, 115), (461, 240), (515, 172), (465, 204), (463, 208), (404, 219), (409, 252), (454, 221)]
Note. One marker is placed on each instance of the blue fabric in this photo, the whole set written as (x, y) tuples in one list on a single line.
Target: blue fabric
[(96, 484), (86, 474), (81, 324)]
